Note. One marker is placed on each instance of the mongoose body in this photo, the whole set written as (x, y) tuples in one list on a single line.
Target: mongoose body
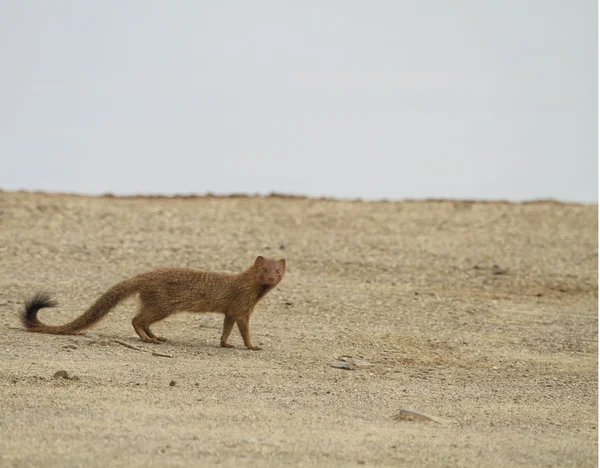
[(166, 291)]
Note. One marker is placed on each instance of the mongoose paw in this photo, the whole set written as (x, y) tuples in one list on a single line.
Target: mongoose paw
[(151, 340), (226, 345), (254, 348), (160, 338)]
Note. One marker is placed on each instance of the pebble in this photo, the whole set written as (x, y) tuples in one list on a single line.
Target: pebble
[(61, 374), (349, 363), (172, 383)]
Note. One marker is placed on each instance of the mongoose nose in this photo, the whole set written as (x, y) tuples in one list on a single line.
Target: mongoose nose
[(271, 278)]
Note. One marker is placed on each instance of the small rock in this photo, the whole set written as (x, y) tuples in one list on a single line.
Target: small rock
[(70, 346), (342, 365), (289, 303), (172, 383), (357, 361), (349, 363), (360, 362), (496, 270), (282, 247), (413, 416), (61, 374)]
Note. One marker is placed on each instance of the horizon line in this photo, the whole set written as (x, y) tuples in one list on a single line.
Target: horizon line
[(292, 196)]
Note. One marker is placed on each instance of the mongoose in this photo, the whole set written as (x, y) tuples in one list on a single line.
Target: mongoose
[(165, 291)]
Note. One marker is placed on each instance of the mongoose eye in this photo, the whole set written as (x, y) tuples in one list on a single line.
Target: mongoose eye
[(265, 270), (278, 271)]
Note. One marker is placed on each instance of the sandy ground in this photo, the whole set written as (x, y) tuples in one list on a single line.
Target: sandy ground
[(503, 358)]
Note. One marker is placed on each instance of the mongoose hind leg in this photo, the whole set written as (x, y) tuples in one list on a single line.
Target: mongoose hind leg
[(141, 324), (142, 333)]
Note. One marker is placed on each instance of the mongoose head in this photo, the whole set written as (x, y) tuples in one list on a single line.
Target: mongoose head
[(268, 271)]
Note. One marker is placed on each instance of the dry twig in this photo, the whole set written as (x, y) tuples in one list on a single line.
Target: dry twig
[(137, 348)]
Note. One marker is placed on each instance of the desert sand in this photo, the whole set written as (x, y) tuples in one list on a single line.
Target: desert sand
[(480, 315)]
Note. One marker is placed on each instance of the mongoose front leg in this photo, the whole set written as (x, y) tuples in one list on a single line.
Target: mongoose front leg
[(244, 326), (227, 326)]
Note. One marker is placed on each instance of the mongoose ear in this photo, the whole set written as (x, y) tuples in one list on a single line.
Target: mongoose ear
[(282, 263), (259, 259)]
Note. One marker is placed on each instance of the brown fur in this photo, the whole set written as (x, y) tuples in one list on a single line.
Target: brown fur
[(167, 291)]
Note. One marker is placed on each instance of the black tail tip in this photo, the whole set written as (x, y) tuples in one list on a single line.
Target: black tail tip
[(33, 305)]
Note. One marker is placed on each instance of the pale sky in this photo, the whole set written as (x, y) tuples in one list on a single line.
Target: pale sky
[(493, 99)]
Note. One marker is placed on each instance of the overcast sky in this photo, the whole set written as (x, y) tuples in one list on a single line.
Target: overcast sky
[(372, 99)]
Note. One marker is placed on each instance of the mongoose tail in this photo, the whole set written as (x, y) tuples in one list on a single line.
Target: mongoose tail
[(91, 316)]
